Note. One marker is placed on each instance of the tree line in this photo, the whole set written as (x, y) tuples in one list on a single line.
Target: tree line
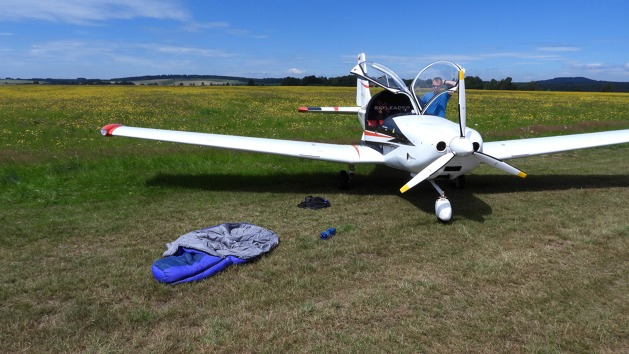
[(476, 83), (471, 82)]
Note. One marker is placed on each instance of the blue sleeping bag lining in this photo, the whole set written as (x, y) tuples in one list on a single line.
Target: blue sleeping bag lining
[(190, 265)]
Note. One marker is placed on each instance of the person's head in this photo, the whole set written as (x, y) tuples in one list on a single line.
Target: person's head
[(436, 84)]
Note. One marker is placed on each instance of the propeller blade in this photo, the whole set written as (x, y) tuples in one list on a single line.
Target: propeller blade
[(462, 104), (499, 164), (428, 171)]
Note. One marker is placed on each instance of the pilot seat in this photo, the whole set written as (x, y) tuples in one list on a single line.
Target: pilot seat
[(383, 105)]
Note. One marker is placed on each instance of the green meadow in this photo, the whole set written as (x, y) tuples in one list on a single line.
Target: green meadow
[(526, 265)]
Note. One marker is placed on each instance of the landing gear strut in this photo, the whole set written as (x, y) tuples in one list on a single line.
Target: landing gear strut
[(459, 182), (443, 208)]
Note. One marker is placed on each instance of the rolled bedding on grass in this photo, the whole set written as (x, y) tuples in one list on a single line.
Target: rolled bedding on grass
[(202, 253)]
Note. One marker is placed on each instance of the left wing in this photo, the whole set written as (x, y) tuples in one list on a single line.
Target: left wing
[(511, 149), (351, 154)]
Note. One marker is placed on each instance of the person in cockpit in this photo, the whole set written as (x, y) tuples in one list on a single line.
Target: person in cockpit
[(437, 107)]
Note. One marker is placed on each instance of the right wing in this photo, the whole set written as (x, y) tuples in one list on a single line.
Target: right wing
[(351, 154), (511, 149)]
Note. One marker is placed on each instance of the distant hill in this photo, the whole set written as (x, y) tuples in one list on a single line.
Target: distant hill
[(196, 80), (162, 80), (580, 84)]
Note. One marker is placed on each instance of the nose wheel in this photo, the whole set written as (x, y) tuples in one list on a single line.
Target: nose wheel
[(443, 208)]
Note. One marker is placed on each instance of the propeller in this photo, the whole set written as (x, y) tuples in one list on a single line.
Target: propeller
[(460, 146), (499, 164), (428, 171), (462, 103)]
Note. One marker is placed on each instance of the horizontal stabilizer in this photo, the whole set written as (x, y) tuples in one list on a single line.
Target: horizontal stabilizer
[(337, 110)]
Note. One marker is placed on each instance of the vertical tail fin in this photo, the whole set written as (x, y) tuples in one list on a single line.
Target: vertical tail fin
[(363, 95)]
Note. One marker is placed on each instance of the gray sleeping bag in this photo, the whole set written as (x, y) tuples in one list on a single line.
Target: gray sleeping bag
[(241, 240)]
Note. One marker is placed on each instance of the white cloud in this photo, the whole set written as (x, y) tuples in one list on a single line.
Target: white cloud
[(223, 26), (64, 49), (71, 48), (199, 26), (176, 50), (592, 66), (296, 71), (107, 59), (89, 11), (558, 49)]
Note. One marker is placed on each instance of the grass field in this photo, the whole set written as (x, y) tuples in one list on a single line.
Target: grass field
[(533, 265)]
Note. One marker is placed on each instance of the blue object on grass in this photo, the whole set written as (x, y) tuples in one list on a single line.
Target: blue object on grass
[(328, 233)]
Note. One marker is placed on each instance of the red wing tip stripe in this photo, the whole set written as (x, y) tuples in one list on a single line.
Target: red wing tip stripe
[(108, 130), (336, 108), (357, 151), (302, 109)]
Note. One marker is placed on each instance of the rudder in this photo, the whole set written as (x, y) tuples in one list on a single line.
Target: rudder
[(363, 95)]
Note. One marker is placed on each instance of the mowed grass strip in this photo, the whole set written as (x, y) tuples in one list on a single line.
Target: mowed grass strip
[(533, 265)]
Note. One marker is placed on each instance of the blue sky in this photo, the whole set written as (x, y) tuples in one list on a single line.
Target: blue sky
[(525, 40)]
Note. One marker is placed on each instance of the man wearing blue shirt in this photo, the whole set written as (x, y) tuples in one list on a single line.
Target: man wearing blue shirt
[(438, 106)]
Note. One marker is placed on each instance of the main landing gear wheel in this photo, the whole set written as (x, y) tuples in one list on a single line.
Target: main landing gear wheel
[(345, 179)]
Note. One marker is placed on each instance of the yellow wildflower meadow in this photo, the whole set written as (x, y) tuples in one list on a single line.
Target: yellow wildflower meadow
[(67, 119)]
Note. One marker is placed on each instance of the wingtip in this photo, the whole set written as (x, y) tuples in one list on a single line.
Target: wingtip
[(522, 174), (302, 109), (404, 188), (108, 130)]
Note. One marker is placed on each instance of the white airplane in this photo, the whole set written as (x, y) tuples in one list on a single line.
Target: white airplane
[(403, 128)]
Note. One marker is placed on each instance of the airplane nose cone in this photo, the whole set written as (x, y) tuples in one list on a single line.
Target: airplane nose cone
[(461, 146)]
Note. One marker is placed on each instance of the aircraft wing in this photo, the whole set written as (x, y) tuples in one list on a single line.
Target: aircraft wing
[(351, 154), (339, 110), (511, 149)]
